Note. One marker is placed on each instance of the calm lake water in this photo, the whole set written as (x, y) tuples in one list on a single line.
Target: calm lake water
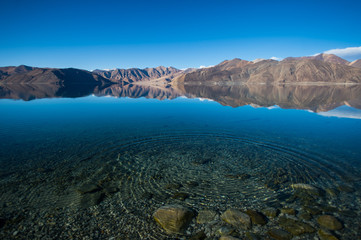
[(99, 167)]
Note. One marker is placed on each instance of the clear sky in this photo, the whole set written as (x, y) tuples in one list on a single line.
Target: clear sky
[(123, 34)]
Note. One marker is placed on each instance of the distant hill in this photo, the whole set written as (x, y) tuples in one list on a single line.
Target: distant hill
[(136, 74), (356, 63), (322, 57), (32, 75)]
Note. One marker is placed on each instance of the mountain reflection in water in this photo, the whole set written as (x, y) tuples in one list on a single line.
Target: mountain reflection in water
[(311, 97)]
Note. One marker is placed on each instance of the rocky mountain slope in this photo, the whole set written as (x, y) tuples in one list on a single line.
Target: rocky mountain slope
[(136, 74), (32, 75), (356, 63), (322, 57), (288, 71)]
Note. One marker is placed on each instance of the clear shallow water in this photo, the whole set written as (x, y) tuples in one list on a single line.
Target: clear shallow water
[(98, 167)]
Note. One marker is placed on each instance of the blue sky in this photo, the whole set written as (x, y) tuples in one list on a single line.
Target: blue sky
[(123, 34)]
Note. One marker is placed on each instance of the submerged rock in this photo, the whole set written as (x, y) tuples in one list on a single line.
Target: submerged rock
[(225, 230), (88, 188), (279, 234), (308, 189), (256, 217), (326, 235), (2, 222), (243, 176), (180, 196), (295, 227), (236, 218), (331, 191), (173, 186), (173, 218), (346, 188), (305, 216), (198, 236), (252, 236), (228, 238), (205, 216), (312, 210), (329, 222), (304, 186), (91, 199), (289, 211), (270, 212)]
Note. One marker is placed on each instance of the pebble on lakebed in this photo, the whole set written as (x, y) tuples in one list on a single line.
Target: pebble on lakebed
[(173, 218), (329, 222), (279, 234), (205, 216), (326, 235), (236, 218)]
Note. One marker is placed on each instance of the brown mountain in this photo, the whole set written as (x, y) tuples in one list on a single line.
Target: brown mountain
[(31, 75), (322, 57), (288, 71), (136, 74), (356, 63)]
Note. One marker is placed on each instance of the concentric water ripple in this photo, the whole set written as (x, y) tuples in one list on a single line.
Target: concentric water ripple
[(209, 169)]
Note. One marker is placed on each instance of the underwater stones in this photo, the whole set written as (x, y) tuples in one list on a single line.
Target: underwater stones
[(289, 211), (305, 215), (326, 235), (88, 188), (279, 234), (147, 195), (295, 227), (348, 213), (329, 209), (225, 230), (331, 191), (272, 186), (110, 187), (228, 238), (198, 236), (2, 222), (236, 218), (345, 188), (180, 196), (192, 184), (205, 216), (252, 236), (91, 199), (270, 212), (308, 189), (312, 210), (173, 186), (243, 176), (304, 186), (173, 218), (329, 222), (256, 217), (202, 161)]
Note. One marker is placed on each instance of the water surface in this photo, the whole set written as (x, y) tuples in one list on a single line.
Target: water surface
[(98, 167)]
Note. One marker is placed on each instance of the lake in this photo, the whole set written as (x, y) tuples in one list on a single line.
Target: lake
[(97, 164)]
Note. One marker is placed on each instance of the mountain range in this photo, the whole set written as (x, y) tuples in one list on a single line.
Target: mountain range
[(319, 69)]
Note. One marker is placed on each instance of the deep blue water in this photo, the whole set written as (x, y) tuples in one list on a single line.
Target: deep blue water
[(65, 142)]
